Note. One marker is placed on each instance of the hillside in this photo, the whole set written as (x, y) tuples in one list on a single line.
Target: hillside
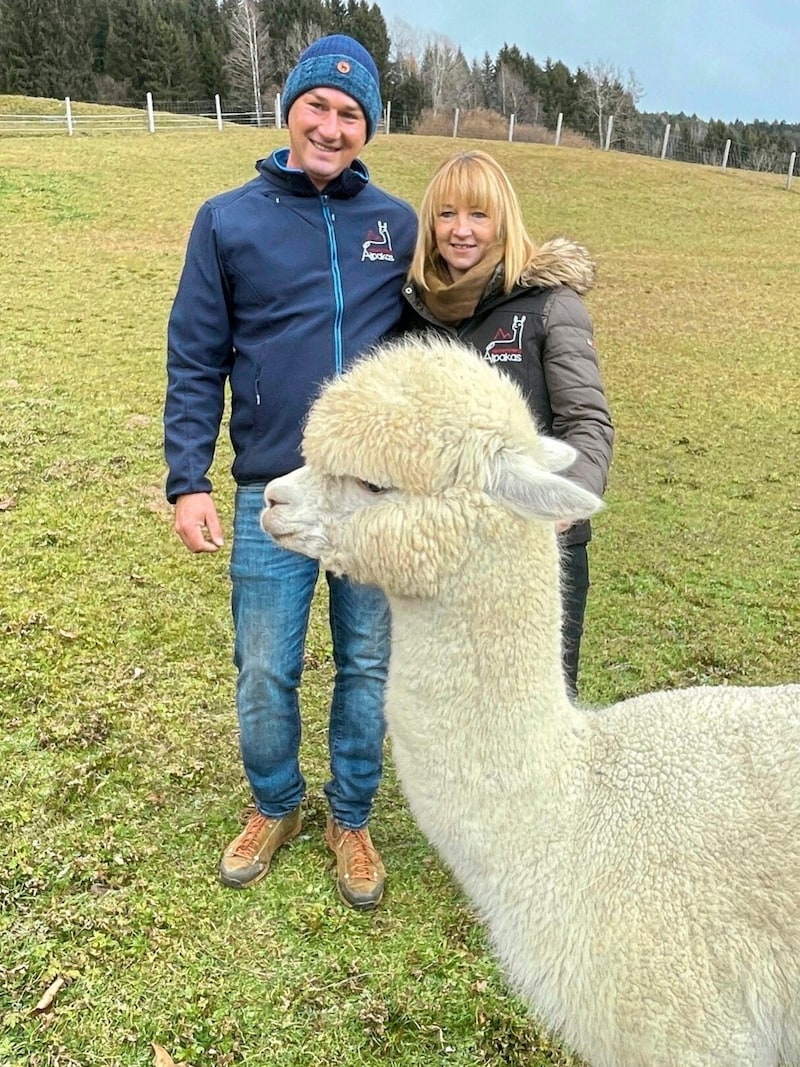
[(120, 770)]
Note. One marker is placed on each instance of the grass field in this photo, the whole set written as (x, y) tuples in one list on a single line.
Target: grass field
[(121, 780)]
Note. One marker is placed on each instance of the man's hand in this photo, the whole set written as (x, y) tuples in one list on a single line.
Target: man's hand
[(197, 523)]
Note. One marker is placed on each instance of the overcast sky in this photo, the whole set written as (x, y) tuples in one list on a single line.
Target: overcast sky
[(724, 60)]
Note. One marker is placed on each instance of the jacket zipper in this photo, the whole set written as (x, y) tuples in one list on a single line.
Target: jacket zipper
[(329, 217)]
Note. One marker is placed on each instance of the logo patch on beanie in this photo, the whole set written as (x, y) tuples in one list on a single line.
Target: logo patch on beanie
[(343, 66), (378, 245)]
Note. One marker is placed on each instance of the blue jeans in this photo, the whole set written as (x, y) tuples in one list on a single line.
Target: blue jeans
[(272, 591)]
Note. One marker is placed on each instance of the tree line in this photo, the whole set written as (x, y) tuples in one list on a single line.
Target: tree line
[(115, 51)]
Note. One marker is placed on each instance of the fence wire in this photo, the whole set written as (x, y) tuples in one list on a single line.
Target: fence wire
[(204, 115)]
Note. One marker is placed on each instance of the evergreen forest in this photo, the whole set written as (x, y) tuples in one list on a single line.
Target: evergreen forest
[(182, 51)]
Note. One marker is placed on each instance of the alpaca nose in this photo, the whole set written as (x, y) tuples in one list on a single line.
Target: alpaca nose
[(289, 489), (273, 496), (276, 494)]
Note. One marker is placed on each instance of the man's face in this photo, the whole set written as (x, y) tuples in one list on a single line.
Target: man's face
[(327, 130)]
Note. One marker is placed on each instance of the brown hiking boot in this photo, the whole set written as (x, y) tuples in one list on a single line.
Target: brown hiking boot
[(360, 874), (247, 858)]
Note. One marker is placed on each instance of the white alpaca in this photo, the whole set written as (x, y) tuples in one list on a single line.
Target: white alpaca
[(638, 868)]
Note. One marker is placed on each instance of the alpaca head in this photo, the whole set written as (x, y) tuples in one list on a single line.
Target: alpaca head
[(405, 457)]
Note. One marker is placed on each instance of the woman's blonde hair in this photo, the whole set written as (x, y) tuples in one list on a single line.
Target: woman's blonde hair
[(475, 180)]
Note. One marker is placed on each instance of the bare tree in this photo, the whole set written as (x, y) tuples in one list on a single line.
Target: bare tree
[(407, 44), (445, 72), (607, 94), (286, 51), (248, 59), (515, 97)]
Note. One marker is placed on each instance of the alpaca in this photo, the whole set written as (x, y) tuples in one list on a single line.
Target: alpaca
[(638, 867)]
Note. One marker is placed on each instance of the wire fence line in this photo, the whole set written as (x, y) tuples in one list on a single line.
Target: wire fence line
[(163, 116), (135, 117), (723, 154)]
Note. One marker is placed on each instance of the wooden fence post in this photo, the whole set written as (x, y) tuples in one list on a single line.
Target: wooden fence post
[(68, 107), (511, 127), (609, 128), (558, 127), (666, 141), (151, 121), (726, 153), (792, 158)]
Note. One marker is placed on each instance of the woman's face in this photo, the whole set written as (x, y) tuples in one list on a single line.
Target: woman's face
[(463, 236)]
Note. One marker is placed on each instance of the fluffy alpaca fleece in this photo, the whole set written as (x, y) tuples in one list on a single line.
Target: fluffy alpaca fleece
[(638, 868)]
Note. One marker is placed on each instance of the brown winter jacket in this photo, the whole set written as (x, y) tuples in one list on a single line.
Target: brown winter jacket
[(541, 335)]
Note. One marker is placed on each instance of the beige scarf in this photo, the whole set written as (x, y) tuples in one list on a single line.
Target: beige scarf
[(453, 301)]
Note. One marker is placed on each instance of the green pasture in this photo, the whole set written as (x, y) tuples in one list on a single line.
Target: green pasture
[(121, 780)]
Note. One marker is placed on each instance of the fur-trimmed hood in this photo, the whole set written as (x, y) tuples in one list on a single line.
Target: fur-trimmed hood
[(560, 261)]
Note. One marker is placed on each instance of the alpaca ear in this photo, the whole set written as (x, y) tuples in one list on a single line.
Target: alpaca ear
[(519, 483), (558, 455)]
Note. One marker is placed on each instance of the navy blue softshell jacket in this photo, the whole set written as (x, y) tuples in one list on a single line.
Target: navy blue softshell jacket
[(283, 286)]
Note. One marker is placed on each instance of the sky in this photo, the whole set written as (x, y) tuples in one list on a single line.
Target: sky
[(729, 59)]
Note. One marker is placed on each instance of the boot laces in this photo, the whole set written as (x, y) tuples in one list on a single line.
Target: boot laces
[(250, 839), (359, 854)]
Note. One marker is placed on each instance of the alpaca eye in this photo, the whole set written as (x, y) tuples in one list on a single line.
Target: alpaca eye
[(370, 486)]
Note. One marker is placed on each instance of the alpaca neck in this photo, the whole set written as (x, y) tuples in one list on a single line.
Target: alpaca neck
[(485, 654)]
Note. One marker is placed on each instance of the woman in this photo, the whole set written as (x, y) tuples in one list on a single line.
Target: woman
[(477, 275)]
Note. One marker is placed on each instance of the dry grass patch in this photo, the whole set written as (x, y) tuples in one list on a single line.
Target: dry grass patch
[(485, 125)]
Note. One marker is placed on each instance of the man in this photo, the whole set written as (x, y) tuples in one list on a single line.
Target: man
[(287, 279)]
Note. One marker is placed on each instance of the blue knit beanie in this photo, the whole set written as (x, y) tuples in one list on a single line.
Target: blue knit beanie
[(337, 62)]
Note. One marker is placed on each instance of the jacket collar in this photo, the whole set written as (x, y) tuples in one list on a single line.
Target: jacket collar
[(347, 185), (557, 261), (493, 296)]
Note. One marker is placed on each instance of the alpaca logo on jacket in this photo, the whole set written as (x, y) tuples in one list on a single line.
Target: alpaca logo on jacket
[(378, 245), (506, 347)]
